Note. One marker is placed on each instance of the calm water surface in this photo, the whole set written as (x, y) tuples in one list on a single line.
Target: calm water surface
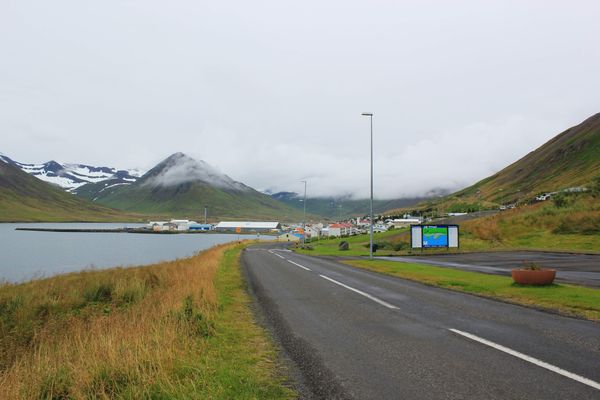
[(26, 255)]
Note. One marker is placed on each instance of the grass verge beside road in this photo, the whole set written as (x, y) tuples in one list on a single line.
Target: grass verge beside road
[(180, 329), (569, 300)]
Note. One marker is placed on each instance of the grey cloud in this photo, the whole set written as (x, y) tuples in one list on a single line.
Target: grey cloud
[(271, 91)]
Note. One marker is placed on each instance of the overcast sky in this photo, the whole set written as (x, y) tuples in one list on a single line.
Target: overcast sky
[(271, 92)]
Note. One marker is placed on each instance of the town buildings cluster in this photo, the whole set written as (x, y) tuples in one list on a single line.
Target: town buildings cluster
[(286, 232)]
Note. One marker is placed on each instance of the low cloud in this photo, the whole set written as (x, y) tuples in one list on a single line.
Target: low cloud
[(179, 169), (271, 92)]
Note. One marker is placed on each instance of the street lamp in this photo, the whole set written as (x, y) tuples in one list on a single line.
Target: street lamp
[(304, 218), (370, 115)]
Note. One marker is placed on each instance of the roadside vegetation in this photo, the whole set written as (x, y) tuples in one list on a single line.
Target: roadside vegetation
[(568, 300), (392, 241), (568, 222), (180, 329)]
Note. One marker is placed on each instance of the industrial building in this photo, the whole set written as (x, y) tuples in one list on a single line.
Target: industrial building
[(247, 226)]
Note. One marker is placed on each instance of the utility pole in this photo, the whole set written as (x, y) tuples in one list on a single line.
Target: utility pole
[(370, 115), (205, 214), (304, 217)]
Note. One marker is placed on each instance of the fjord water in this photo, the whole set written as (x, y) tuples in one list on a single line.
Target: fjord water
[(26, 255)]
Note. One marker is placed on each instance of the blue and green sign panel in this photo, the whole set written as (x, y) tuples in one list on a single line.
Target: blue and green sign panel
[(435, 236)]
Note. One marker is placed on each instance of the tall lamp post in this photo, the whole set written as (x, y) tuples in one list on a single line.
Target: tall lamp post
[(304, 217), (370, 115)]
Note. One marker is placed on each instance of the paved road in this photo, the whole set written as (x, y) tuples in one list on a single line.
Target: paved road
[(356, 334), (582, 269)]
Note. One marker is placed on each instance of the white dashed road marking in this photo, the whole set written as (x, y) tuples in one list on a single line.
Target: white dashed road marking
[(368, 296), (298, 265), (532, 360)]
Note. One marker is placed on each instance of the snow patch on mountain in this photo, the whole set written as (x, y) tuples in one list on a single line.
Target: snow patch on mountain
[(72, 176)]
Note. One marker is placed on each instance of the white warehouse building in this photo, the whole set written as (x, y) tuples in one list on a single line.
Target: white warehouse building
[(247, 226)]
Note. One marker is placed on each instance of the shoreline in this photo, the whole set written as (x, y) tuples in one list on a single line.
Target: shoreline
[(139, 230)]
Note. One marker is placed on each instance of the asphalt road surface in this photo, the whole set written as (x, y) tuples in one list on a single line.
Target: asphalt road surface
[(350, 333), (582, 269)]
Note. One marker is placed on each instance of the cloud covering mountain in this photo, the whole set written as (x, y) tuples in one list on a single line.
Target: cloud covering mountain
[(180, 168), (272, 91)]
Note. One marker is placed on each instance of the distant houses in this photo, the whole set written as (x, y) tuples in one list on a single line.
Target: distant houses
[(290, 232), (340, 229)]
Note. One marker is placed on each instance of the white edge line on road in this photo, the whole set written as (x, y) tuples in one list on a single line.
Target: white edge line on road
[(298, 265), (532, 360), (280, 256), (375, 299)]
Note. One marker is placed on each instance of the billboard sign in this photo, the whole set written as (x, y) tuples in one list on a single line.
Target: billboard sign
[(434, 236)]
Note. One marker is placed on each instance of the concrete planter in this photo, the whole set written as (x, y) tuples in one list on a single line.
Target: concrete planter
[(533, 277)]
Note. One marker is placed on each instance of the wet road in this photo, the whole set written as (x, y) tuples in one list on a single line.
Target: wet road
[(352, 333), (582, 269)]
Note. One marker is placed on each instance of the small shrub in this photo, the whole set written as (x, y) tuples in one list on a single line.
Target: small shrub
[(130, 292), (531, 266), (560, 200), (585, 224), (100, 293), (595, 187), (401, 246), (195, 322), (109, 383), (56, 386)]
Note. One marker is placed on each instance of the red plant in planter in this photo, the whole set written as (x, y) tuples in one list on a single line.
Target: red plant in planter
[(533, 274)]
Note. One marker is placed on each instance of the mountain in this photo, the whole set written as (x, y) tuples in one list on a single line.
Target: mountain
[(341, 207), (71, 177), (25, 198), (182, 186), (570, 159)]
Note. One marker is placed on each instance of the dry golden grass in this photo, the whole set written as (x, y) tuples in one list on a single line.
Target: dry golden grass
[(485, 229), (121, 333)]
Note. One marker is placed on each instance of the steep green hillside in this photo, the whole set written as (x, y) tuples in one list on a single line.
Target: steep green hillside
[(570, 159), (25, 198), (180, 186)]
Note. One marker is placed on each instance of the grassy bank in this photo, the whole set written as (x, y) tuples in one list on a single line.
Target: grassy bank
[(570, 223), (566, 299), (179, 329), (359, 244)]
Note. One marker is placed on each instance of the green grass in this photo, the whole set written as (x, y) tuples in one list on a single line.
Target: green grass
[(358, 244), (569, 300), (544, 226), (239, 362)]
